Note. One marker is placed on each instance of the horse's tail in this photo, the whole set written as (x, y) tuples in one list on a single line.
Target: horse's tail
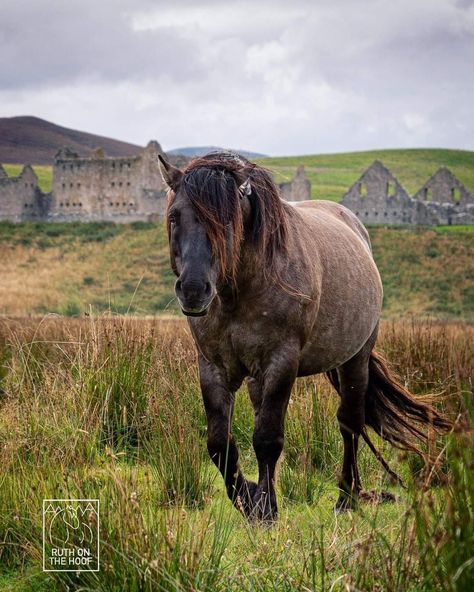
[(394, 413)]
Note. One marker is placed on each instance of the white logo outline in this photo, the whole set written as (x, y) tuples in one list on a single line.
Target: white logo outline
[(48, 506)]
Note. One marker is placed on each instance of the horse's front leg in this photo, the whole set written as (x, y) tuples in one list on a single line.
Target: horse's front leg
[(219, 402), (268, 435)]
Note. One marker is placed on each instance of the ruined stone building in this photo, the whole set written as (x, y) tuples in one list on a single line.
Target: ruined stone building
[(377, 197), (95, 188), (299, 189), (445, 198), (100, 188), (127, 189), (124, 189), (20, 197)]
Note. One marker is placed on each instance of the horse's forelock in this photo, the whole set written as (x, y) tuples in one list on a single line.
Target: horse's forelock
[(213, 193), (211, 184)]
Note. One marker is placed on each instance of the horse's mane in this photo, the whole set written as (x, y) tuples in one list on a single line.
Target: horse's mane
[(212, 184)]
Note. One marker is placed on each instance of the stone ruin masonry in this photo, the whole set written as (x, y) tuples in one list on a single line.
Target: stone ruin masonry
[(124, 189), (97, 188), (131, 189), (100, 188), (299, 189), (377, 197), (20, 197)]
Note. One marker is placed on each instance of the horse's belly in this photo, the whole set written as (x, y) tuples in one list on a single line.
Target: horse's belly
[(330, 347), (347, 317), (320, 357)]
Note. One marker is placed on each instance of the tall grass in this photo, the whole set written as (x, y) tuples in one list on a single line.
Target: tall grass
[(110, 408)]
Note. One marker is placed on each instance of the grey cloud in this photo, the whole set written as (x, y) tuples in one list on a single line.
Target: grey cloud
[(46, 43), (464, 3), (279, 78)]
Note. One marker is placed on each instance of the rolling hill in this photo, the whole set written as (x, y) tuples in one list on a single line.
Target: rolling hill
[(31, 140), (68, 268), (193, 151)]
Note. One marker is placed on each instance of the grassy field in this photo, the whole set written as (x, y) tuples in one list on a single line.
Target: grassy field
[(332, 174), (110, 409), (69, 268), (103, 402)]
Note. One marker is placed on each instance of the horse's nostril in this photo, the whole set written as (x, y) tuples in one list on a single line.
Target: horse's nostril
[(207, 289), (178, 286)]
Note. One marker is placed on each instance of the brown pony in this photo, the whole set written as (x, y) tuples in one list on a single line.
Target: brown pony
[(273, 291)]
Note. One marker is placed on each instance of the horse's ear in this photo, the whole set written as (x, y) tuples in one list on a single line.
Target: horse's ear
[(170, 174), (245, 189)]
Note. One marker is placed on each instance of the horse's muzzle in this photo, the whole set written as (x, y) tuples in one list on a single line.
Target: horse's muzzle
[(194, 297)]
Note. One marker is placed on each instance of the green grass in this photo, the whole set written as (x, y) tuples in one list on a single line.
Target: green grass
[(426, 271), (67, 268), (44, 173), (332, 174), (110, 409)]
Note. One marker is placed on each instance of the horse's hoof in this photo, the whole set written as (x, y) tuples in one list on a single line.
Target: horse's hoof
[(375, 497), (346, 503), (244, 499), (388, 498), (265, 509)]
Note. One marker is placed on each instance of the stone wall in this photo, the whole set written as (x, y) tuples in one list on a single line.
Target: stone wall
[(299, 189), (20, 197), (445, 200), (377, 197), (100, 188), (444, 187)]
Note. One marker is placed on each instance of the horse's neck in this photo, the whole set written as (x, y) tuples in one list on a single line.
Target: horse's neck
[(253, 276)]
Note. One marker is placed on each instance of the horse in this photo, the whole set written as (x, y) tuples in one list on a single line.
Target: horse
[(273, 291)]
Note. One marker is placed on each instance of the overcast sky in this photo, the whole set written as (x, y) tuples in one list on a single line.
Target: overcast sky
[(279, 77)]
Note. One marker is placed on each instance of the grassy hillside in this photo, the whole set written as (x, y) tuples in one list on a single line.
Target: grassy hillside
[(66, 268), (332, 174)]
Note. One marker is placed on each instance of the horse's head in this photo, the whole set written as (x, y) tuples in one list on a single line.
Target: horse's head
[(205, 227), (216, 202)]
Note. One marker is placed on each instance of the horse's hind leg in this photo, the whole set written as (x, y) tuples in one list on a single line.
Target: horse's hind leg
[(352, 384)]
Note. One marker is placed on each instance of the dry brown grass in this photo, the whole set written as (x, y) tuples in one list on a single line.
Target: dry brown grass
[(68, 269)]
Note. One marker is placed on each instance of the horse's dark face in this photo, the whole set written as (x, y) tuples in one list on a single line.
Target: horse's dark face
[(191, 258), (207, 210)]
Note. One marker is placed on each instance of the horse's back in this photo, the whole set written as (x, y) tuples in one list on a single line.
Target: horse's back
[(338, 212)]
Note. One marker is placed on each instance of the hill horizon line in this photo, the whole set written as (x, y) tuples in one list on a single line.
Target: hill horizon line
[(28, 139)]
